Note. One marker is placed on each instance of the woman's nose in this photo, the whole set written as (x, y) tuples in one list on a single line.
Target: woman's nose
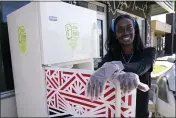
[(126, 32)]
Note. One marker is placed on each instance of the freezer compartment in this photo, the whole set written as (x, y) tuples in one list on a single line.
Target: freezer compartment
[(68, 32), (66, 96)]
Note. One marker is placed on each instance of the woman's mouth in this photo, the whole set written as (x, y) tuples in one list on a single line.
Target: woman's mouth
[(126, 38)]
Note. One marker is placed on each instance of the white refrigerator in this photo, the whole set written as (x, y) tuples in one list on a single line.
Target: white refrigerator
[(52, 48)]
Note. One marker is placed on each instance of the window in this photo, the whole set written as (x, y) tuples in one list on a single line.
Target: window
[(6, 76)]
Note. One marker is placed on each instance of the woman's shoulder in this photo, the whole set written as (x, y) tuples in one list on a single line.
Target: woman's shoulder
[(149, 50)]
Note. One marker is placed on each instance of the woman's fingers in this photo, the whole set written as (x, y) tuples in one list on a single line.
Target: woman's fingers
[(131, 85), (88, 90), (121, 80), (135, 81), (126, 85), (128, 82), (101, 87), (94, 89), (97, 87)]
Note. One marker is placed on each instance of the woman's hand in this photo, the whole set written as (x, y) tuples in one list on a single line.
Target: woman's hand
[(99, 77), (128, 81)]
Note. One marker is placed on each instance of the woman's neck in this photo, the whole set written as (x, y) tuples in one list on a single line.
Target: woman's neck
[(128, 49)]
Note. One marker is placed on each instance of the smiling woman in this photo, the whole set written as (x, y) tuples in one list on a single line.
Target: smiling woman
[(125, 31), (125, 44)]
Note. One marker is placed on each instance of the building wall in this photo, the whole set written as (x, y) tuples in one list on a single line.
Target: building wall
[(161, 18), (139, 10)]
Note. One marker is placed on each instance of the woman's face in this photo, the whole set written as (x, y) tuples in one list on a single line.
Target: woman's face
[(125, 31)]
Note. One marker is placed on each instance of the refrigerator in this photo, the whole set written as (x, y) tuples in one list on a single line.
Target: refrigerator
[(53, 46)]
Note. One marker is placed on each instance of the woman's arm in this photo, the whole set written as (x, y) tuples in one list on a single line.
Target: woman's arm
[(145, 64)]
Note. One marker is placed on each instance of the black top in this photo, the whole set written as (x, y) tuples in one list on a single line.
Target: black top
[(141, 63)]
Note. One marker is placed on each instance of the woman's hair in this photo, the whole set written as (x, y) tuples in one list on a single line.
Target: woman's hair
[(113, 45)]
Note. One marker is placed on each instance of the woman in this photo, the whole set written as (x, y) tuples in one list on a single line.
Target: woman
[(125, 44)]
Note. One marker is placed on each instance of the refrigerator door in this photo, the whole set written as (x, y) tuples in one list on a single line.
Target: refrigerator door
[(68, 32)]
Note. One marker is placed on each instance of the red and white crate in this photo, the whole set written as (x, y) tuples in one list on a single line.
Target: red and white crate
[(66, 96)]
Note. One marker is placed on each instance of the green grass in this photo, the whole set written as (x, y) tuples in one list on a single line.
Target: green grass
[(158, 69)]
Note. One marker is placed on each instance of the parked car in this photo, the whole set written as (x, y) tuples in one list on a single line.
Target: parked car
[(162, 92)]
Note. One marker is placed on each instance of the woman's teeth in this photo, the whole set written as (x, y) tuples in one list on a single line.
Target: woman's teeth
[(126, 38)]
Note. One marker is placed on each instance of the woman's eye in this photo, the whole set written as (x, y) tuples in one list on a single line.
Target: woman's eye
[(130, 28), (120, 30)]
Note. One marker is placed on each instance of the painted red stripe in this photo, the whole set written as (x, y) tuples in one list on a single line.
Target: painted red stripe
[(124, 109), (51, 72), (62, 108), (100, 108), (83, 93), (122, 116), (47, 83), (81, 79), (113, 107), (129, 100), (48, 90), (86, 75), (55, 82), (56, 79), (56, 100), (74, 85), (50, 94), (81, 98), (111, 98), (60, 97), (106, 87), (63, 104), (51, 83), (123, 98), (73, 91), (46, 72), (88, 105), (51, 104), (68, 83), (101, 113), (82, 87), (69, 73), (60, 78), (79, 84), (109, 92), (61, 100), (109, 112)]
